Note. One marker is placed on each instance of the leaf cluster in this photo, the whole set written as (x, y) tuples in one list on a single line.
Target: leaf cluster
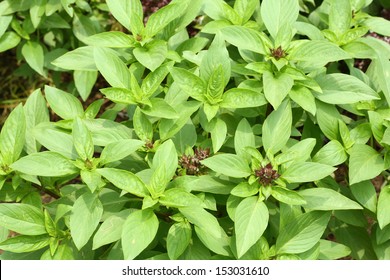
[(246, 141)]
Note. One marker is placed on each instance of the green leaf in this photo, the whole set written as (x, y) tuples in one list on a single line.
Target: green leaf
[(353, 35), (277, 128), (231, 206), (111, 229), (340, 16), (364, 163), (112, 201), (196, 251), (84, 82), (125, 180), (215, 85), (379, 72), (378, 25), (345, 135), (276, 88), (304, 98), (302, 233), (142, 126), (203, 219), (33, 53), (12, 136), (50, 164), (63, 104), (358, 48), (152, 54), (111, 39), (365, 194), (22, 218), (84, 57), (55, 139), (327, 199), (299, 152), (307, 172), (82, 140), (308, 29), (177, 197), (139, 230), (215, 66), (361, 133), (330, 250), (204, 183), (219, 245), (214, 27), (332, 153), (276, 14), (166, 155), (344, 89), (4, 233), (36, 112), (86, 214), (243, 137), (85, 26), (328, 119), (186, 137), (22, 243), (189, 83), (128, 12), (54, 21), (382, 235), (154, 79), (93, 109), (4, 23), (358, 240), (49, 223), (160, 108), (219, 9), (149, 201), (218, 134), (37, 11), (105, 132), (244, 189), (169, 127), (112, 68), (317, 53), (63, 252), (162, 17), (119, 150), (158, 180), (384, 207), (251, 220), (178, 238), (287, 196), (245, 38), (210, 111), (355, 218), (245, 8), (15, 25), (229, 165), (119, 95), (311, 254), (91, 178), (386, 137), (9, 40), (194, 44), (242, 98), (68, 9)]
